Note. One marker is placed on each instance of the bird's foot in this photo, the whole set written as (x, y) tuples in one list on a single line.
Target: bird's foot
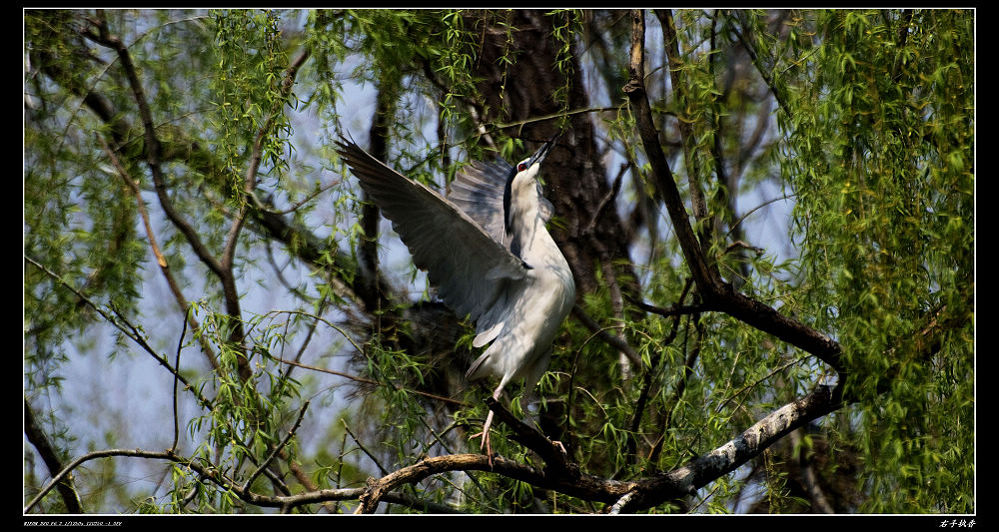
[(485, 437), (556, 443), (485, 444)]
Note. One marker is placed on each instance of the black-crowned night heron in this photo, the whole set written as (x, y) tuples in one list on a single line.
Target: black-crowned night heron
[(487, 250)]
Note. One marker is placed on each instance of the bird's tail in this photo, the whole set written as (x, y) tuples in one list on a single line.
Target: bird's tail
[(477, 370)]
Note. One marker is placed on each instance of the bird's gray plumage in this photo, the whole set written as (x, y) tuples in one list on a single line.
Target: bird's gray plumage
[(477, 190), (465, 263), (486, 249)]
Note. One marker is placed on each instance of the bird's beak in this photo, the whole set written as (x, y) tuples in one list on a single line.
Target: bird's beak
[(539, 157)]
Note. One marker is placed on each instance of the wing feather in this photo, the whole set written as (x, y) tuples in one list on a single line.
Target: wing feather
[(477, 189), (468, 266)]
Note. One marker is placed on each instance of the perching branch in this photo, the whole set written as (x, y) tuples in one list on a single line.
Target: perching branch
[(564, 477), (553, 453), (626, 496)]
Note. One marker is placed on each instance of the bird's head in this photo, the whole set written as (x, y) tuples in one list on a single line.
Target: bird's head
[(529, 167), (522, 186)]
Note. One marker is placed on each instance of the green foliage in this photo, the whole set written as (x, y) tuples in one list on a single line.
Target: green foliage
[(565, 29), (876, 151), (247, 92), (78, 220)]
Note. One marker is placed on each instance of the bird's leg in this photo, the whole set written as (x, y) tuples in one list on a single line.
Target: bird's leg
[(485, 438), (485, 430)]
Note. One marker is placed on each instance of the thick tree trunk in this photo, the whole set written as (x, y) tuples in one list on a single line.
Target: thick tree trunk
[(590, 236)]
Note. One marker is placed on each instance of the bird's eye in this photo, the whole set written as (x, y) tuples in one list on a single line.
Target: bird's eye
[(521, 167)]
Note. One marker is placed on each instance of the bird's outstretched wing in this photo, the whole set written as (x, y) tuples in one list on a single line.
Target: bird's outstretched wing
[(477, 190), (468, 267)]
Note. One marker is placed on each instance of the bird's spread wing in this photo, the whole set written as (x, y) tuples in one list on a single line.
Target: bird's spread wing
[(466, 264), (477, 189)]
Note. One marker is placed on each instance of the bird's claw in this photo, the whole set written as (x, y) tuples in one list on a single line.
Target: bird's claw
[(558, 444), (485, 444)]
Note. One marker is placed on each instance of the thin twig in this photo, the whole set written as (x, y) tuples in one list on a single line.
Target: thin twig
[(294, 206), (775, 371), (602, 332), (363, 448), (256, 156), (767, 76), (131, 331), (370, 381), (673, 310), (274, 452), (176, 364), (754, 209)]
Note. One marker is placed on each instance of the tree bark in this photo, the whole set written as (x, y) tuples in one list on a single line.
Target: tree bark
[(575, 177)]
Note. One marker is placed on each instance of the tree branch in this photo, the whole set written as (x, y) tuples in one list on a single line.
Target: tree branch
[(704, 276), (277, 449), (567, 478), (52, 461), (161, 261), (614, 341), (86, 458), (553, 453), (256, 155), (120, 323), (700, 471), (152, 143), (299, 241), (687, 137), (765, 75), (715, 294)]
